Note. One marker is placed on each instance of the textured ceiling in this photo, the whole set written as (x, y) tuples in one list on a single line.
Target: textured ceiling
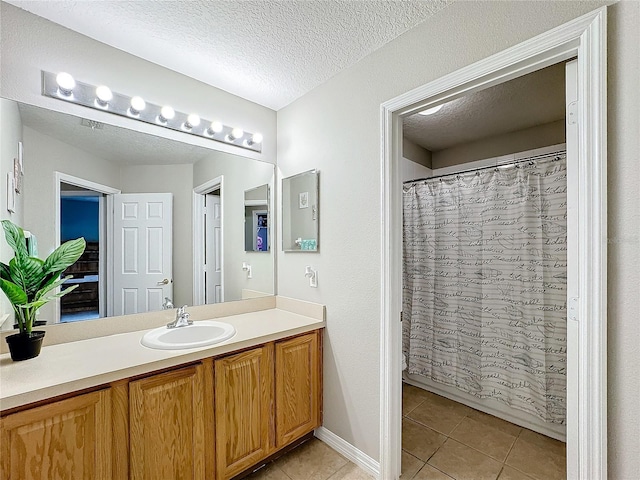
[(114, 144), (524, 102), (268, 51)]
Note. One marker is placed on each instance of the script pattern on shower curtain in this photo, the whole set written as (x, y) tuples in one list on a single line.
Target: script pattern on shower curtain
[(485, 276)]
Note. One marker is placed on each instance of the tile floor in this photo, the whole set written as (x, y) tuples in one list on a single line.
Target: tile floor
[(444, 440), (441, 440), (313, 460)]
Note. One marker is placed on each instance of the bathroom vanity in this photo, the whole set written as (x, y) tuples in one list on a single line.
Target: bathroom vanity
[(213, 413)]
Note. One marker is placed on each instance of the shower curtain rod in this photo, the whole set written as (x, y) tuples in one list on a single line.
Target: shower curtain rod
[(528, 159)]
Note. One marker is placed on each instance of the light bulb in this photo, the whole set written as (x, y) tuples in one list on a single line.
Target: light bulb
[(166, 114), (104, 95), (235, 134), (193, 120), (215, 127), (431, 111), (66, 83), (137, 105), (255, 138)]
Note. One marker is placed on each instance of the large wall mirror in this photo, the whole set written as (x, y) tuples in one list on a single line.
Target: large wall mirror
[(164, 221), (300, 210)]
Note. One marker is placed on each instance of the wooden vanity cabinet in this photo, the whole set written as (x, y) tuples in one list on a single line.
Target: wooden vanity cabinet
[(167, 425), (65, 439), (243, 410), (214, 419), (298, 389)]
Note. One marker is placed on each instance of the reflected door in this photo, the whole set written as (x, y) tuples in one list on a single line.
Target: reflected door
[(142, 242), (213, 246)]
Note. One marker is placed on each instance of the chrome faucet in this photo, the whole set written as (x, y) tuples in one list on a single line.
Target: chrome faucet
[(182, 318)]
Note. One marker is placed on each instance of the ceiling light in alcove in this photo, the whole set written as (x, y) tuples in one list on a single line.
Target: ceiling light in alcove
[(193, 120), (431, 111), (66, 84), (103, 96), (137, 105), (166, 114)]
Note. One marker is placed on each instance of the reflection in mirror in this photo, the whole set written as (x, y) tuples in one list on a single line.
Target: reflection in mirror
[(256, 219), (300, 209), (139, 201)]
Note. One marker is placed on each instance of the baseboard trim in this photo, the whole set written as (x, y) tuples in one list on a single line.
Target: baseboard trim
[(344, 448)]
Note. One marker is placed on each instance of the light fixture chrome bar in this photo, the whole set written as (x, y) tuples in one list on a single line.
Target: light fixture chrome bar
[(85, 94)]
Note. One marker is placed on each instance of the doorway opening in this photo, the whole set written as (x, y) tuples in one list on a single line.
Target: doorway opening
[(583, 39), (81, 211)]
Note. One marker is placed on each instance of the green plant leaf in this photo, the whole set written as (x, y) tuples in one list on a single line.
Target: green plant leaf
[(50, 286), (27, 272), (15, 238), (15, 294), (43, 301), (4, 271), (64, 256)]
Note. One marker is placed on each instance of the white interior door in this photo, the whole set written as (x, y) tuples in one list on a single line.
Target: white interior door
[(214, 292), (142, 254)]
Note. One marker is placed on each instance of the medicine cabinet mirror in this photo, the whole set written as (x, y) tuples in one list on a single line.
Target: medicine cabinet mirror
[(300, 211), (256, 219)]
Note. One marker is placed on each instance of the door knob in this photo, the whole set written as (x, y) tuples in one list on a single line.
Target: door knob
[(164, 282)]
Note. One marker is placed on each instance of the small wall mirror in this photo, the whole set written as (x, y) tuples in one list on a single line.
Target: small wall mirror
[(256, 219), (300, 210)]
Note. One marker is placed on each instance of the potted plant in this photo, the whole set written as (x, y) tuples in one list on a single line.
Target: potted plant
[(28, 283)]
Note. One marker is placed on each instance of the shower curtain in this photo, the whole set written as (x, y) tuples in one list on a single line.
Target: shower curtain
[(484, 291)]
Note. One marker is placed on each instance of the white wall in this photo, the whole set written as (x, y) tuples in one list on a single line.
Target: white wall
[(311, 134), (10, 135), (30, 44), (416, 153), (518, 141), (410, 170), (239, 174), (175, 179)]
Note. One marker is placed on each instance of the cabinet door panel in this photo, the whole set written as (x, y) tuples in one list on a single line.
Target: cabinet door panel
[(243, 410), (297, 388), (66, 439), (167, 426)]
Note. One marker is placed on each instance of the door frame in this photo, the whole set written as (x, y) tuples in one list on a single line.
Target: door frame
[(105, 230), (199, 193), (584, 37)]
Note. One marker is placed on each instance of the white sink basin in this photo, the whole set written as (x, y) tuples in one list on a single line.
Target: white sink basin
[(200, 334)]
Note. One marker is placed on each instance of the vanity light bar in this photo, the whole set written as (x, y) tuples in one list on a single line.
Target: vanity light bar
[(63, 87)]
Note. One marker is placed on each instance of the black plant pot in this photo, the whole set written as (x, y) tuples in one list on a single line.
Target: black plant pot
[(24, 346)]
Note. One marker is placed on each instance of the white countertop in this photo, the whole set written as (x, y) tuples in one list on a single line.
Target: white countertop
[(69, 367)]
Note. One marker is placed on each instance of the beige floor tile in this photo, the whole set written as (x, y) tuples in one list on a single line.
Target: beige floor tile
[(312, 460), (412, 397), (410, 466), (486, 438), (351, 472), (439, 413), (420, 441), (495, 422), (509, 473), (464, 463), (540, 457), (270, 472), (430, 473)]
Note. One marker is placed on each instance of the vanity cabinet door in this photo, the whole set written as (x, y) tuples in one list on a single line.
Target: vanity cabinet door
[(243, 410), (62, 440), (167, 422), (298, 392)]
